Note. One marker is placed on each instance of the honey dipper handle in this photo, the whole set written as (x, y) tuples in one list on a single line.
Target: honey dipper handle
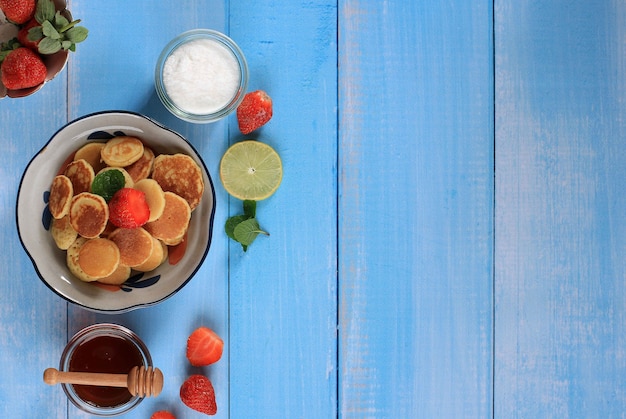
[(53, 376)]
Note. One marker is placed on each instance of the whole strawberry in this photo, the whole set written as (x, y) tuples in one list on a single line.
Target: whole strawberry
[(22, 68), (128, 208), (18, 11), (22, 35), (198, 394), (49, 31), (254, 111)]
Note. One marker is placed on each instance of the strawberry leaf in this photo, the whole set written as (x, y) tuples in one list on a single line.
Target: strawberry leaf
[(45, 11), (49, 46), (49, 30), (35, 34), (60, 21), (76, 34), (7, 47)]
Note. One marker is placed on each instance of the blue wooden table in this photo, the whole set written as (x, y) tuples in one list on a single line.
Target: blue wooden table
[(449, 237)]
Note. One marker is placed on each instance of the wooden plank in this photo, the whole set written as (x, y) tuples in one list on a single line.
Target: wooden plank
[(32, 319), (114, 69), (283, 290), (560, 267), (415, 209)]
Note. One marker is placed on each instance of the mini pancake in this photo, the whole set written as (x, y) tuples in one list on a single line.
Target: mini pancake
[(128, 180), (135, 244), (61, 193), (174, 221), (71, 259), (155, 259), (179, 173), (121, 275), (142, 168), (89, 214), (98, 258), (155, 197), (62, 232), (81, 174), (122, 151), (90, 152)]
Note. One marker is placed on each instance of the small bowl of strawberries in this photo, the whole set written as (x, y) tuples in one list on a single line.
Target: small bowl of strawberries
[(36, 37)]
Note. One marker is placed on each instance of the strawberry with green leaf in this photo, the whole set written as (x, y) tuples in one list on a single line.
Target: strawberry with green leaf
[(50, 31)]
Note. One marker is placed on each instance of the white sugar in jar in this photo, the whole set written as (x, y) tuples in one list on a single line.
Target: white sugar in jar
[(201, 76)]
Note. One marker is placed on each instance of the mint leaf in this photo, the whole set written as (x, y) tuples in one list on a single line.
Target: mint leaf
[(231, 223), (45, 11), (246, 231), (249, 208), (107, 183), (244, 228)]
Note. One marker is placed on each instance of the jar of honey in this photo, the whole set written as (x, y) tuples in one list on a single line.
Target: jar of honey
[(103, 348)]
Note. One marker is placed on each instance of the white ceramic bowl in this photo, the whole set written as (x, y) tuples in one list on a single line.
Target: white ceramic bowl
[(33, 216)]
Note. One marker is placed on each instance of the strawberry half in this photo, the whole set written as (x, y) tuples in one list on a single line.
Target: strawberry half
[(22, 68), (162, 414), (18, 11), (128, 208), (254, 111), (204, 347), (198, 394)]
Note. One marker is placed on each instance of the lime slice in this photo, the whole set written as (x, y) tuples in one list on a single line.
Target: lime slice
[(251, 170)]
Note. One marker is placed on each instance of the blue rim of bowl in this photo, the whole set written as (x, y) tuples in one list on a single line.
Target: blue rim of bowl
[(135, 306), (178, 41)]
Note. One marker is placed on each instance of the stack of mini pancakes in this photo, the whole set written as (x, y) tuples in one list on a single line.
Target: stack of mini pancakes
[(96, 249)]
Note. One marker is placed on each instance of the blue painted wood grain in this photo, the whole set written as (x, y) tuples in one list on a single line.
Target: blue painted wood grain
[(415, 209), (30, 315), (283, 290), (560, 205), (406, 274)]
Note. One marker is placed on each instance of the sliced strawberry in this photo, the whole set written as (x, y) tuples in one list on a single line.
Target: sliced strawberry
[(254, 111), (204, 347), (128, 208), (162, 414), (198, 394)]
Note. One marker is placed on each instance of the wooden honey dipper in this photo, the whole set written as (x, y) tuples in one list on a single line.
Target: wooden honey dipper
[(140, 381)]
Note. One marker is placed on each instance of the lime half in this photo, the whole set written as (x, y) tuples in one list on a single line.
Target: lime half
[(251, 170)]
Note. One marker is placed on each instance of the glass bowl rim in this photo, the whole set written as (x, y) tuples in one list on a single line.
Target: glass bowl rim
[(182, 39), (89, 332)]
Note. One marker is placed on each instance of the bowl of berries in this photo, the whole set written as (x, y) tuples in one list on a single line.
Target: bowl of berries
[(116, 212), (36, 37)]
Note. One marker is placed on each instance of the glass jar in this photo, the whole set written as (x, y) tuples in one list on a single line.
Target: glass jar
[(103, 348), (201, 76)]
